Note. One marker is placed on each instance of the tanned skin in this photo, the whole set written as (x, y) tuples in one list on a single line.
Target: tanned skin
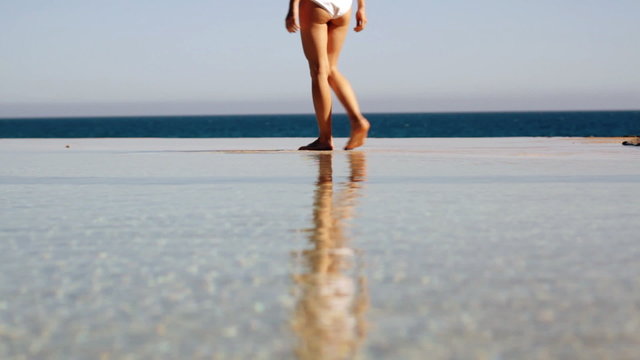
[(322, 40)]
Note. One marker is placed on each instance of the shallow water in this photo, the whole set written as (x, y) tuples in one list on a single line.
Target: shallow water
[(512, 248)]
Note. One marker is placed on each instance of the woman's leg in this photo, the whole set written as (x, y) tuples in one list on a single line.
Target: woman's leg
[(338, 29), (314, 32)]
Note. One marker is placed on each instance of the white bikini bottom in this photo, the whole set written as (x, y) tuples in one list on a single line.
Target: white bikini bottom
[(336, 8)]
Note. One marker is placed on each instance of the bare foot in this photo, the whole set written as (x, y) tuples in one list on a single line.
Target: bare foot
[(359, 132), (317, 145)]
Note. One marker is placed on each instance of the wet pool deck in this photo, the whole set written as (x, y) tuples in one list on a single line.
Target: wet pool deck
[(507, 248)]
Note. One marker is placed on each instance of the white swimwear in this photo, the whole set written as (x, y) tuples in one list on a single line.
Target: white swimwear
[(336, 8)]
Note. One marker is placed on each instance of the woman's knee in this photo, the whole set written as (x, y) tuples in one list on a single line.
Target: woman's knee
[(333, 73), (320, 70)]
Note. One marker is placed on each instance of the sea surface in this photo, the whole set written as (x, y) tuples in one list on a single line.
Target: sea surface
[(439, 249), (396, 125)]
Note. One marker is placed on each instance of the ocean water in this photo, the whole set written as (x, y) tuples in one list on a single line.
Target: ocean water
[(398, 125), (511, 248)]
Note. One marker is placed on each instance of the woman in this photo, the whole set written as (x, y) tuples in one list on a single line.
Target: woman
[(323, 26)]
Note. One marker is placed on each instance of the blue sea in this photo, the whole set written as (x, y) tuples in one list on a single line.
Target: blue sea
[(384, 125)]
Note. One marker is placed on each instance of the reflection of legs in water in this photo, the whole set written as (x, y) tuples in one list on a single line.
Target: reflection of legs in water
[(331, 296), (358, 167), (349, 191)]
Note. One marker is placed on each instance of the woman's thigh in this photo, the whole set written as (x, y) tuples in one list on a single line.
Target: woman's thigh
[(314, 30), (337, 33)]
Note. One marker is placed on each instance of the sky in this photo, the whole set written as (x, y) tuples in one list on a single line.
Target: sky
[(165, 57)]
